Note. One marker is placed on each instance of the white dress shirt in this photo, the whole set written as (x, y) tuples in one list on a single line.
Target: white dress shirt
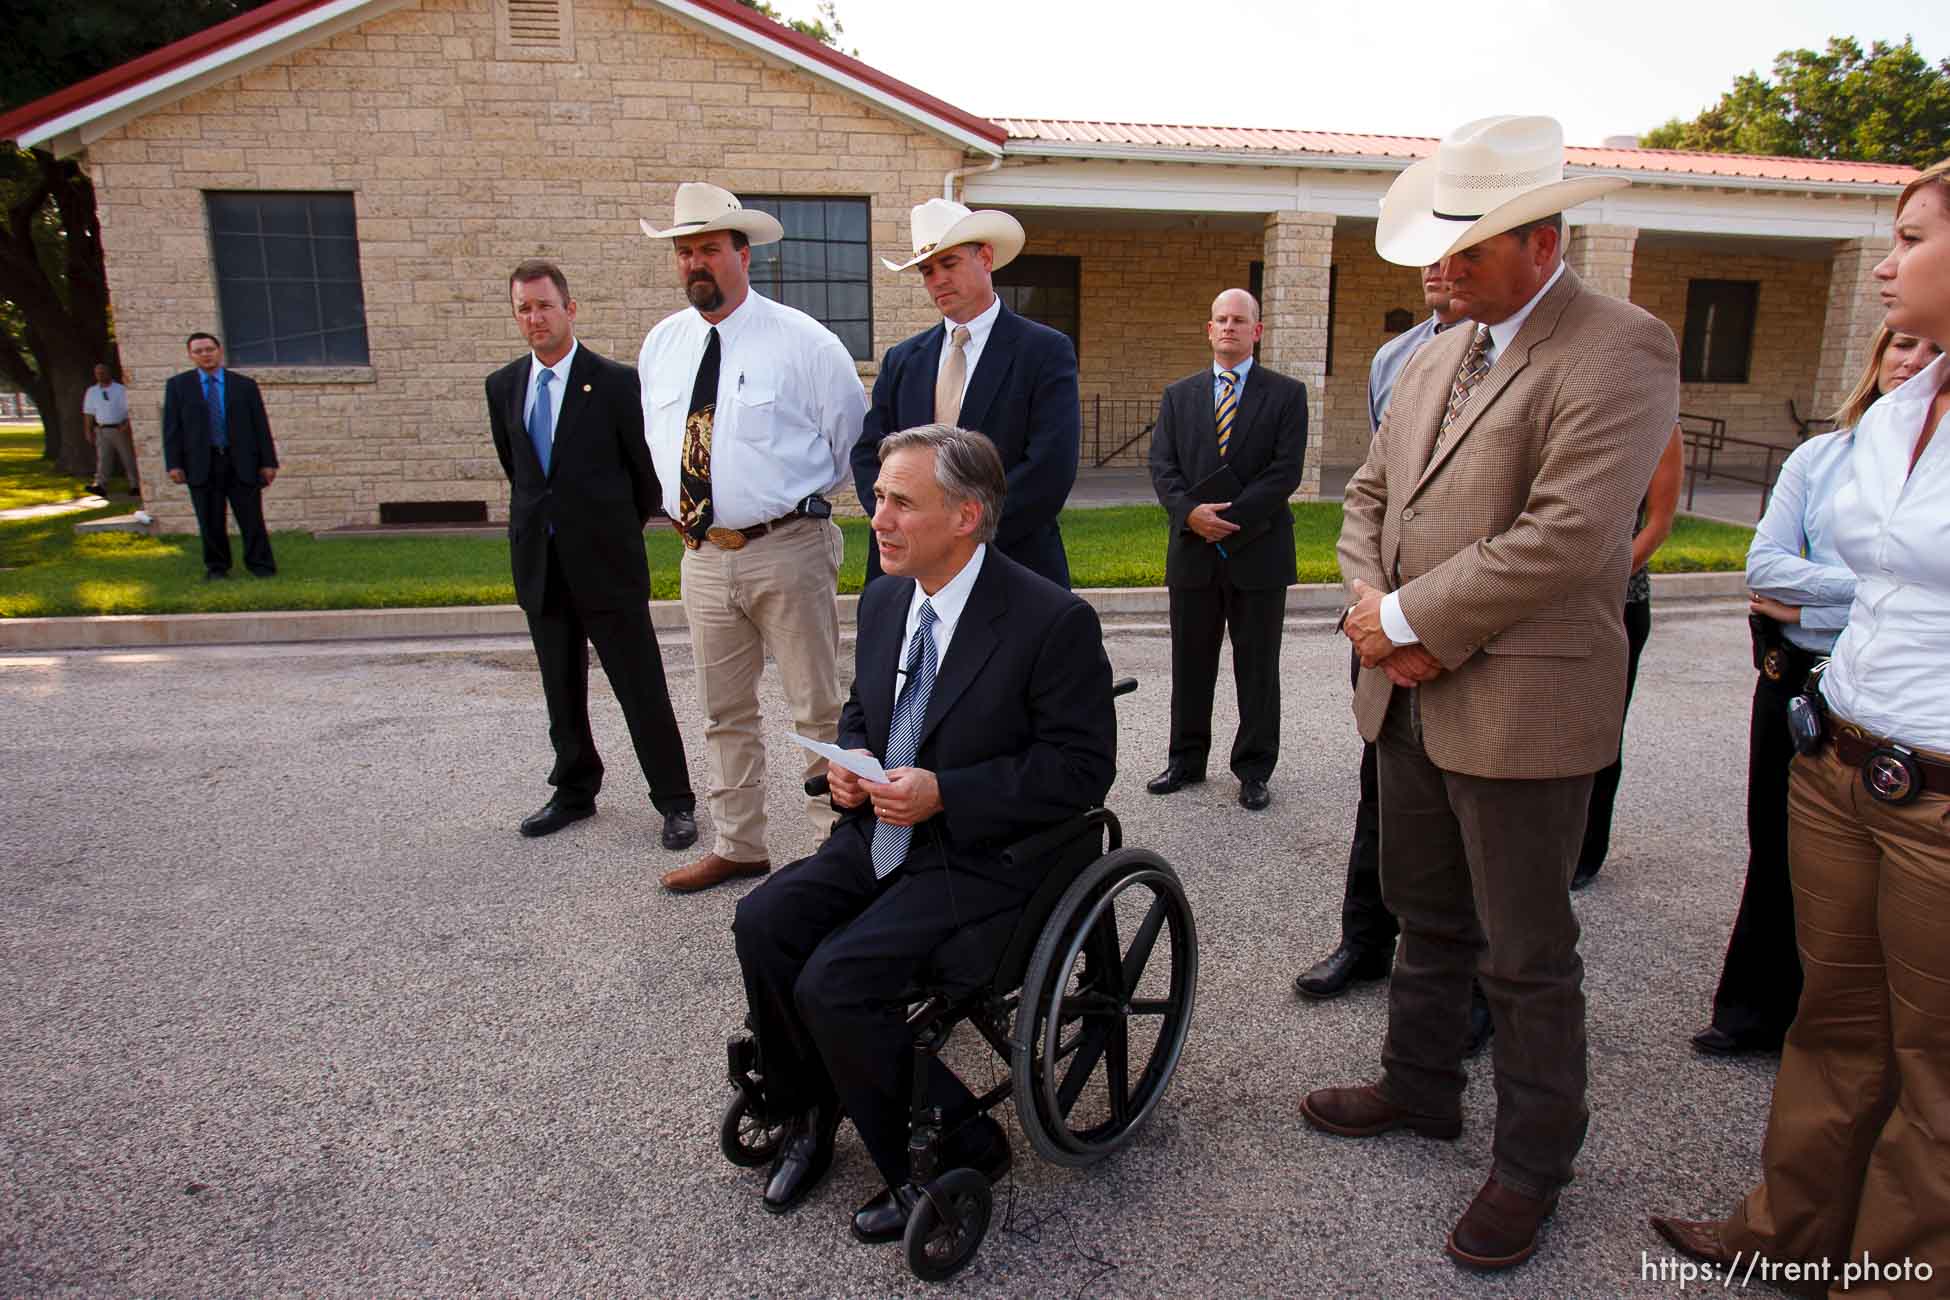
[(108, 403), (556, 387), (1891, 671), (1793, 557), (789, 408), (948, 604), (978, 337), (1393, 621)]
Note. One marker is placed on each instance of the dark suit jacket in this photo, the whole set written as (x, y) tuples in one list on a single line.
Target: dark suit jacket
[(1268, 447), (1020, 731), (1023, 396), (186, 427), (598, 494)]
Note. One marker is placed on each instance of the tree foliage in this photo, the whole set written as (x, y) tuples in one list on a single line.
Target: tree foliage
[(55, 321), (1890, 105), (825, 29)]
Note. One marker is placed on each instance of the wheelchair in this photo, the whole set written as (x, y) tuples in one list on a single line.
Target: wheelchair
[(1086, 1007)]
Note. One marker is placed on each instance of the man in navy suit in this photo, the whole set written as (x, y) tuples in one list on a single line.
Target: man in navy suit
[(217, 439), (985, 691), (983, 368), (568, 427)]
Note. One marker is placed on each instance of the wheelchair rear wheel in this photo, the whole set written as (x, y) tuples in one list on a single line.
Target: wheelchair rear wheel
[(746, 1137), (1105, 1007)]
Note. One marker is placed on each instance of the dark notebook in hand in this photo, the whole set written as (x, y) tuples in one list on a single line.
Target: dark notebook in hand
[(1224, 485)]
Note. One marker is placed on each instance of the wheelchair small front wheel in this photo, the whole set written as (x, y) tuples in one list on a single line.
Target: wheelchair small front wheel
[(948, 1224), (747, 1138)]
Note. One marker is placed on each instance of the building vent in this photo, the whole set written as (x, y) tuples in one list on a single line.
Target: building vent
[(535, 30)]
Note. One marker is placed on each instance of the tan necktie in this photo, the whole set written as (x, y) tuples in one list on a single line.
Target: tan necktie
[(1475, 364), (954, 376)]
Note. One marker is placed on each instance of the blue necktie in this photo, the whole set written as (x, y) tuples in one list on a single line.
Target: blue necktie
[(213, 398), (541, 423), (904, 737)]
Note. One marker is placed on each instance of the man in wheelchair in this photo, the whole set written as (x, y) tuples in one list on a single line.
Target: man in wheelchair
[(986, 693)]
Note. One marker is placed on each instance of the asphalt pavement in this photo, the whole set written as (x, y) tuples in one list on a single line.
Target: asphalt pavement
[(286, 1004)]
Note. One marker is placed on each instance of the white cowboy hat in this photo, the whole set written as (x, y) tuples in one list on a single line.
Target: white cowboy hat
[(943, 223), (702, 207), (1486, 177)]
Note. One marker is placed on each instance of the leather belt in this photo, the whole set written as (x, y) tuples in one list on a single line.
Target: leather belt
[(1854, 746), (734, 539), (119, 424)]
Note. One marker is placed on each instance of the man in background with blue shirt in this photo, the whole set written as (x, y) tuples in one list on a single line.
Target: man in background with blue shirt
[(217, 440)]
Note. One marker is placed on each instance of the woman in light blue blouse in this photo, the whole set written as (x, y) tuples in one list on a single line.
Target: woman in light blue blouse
[(1800, 596)]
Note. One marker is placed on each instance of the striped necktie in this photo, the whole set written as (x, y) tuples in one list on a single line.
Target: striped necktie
[(1475, 364), (1228, 407), (890, 843)]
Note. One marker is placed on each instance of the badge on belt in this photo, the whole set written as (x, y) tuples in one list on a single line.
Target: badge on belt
[(1774, 664)]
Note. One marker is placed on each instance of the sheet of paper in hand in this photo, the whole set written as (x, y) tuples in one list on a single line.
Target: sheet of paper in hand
[(865, 765)]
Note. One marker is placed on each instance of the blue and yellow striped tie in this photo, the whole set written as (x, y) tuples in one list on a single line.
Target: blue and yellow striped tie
[(1228, 407)]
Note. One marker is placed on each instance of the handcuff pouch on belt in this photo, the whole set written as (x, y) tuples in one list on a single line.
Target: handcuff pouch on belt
[(1808, 713)]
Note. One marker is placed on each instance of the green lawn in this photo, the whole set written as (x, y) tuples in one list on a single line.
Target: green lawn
[(46, 568), (25, 478)]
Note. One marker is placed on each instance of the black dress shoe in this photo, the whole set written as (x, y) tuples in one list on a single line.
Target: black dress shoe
[(1173, 779), (884, 1218), (981, 1145), (1582, 876), (553, 816), (215, 575), (680, 829), (1253, 795), (1715, 1041), (802, 1161), (1330, 976), (1481, 1027)]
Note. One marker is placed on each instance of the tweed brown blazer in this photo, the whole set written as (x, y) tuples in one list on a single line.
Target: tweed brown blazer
[(1511, 548)]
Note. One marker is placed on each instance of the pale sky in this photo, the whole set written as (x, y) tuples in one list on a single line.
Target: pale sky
[(1348, 65)]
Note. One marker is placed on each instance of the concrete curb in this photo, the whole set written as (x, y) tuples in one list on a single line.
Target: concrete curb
[(117, 630)]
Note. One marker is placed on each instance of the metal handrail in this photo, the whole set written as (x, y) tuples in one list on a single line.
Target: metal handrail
[(1713, 439)]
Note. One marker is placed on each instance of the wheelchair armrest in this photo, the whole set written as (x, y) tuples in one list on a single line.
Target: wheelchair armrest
[(1046, 844)]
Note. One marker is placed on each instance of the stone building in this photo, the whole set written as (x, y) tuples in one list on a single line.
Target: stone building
[(339, 188)]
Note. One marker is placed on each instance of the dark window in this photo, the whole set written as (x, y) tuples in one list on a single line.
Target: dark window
[(1719, 331), (1333, 297), (1256, 286), (288, 279), (1046, 288), (820, 266)]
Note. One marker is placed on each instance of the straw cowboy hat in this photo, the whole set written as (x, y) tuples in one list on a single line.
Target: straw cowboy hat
[(1486, 177), (943, 223), (702, 207)]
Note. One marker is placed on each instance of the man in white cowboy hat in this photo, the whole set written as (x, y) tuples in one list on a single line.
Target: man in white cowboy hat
[(983, 368), (750, 408), (1485, 542)]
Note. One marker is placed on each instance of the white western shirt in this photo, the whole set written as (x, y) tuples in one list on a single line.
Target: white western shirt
[(108, 403), (1891, 671), (978, 337), (556, 387), (948, 604), (789, 407), (1393, 621)]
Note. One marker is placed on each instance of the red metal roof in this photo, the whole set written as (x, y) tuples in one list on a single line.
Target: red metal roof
[(1250, 140)]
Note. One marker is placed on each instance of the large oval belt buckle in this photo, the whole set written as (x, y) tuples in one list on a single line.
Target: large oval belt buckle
[(729, 539), (1774, 664), (1891, 774)]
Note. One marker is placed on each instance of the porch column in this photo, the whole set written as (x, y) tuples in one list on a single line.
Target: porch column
[(1602, 257), (1299, 254), (1855, 311)]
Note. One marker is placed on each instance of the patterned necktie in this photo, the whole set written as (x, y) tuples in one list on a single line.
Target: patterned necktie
[(541, 421), (953, 378), (694, 511), (1475, 364), (904, 737), (213, 398), (1228, 406)]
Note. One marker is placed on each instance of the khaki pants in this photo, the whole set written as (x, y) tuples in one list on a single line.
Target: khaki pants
[(112, 442), (774, 596), (1857, 1157)]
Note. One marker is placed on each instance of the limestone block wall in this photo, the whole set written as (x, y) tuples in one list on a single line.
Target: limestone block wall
[(1602, 257), (1146, 296), (461, 163), (1299, 252), (1854, 314), (1787, 350)]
